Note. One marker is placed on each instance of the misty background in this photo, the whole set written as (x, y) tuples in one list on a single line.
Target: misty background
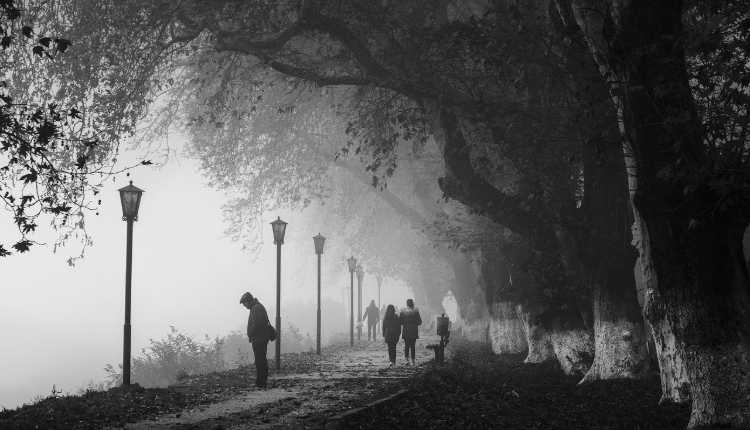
[(64, 323)]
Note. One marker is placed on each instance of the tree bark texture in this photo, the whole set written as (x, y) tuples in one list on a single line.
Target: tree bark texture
[(507, 332), (620, 338), (537, 335), (697, 282)]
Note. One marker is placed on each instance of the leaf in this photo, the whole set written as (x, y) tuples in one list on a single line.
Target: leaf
[(45, 41), (4, 252), (147, 162), (57, 210), (22, 245), (27, 31), (38, 50), (29, 177), (5, 42), (81, 162), (62, 44)]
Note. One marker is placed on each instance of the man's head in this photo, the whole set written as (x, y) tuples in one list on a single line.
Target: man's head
[(372, 302), (247, 299), (409, 303)]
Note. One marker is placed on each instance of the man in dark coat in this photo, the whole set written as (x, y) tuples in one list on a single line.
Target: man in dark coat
[(258, 332), (372, 314), (410, 321)]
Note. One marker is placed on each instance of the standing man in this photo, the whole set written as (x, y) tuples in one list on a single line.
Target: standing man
[(259, 332), (372, 314), (410, 321)]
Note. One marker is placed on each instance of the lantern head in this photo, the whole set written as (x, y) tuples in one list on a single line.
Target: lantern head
[(130, 198), (279, 228), (319, 241)]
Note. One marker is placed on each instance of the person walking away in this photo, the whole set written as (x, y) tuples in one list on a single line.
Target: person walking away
[(391, 332), (410, 321), (372, 314), (259, 333)]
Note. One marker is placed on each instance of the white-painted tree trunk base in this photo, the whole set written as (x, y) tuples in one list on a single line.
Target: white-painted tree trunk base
[(620, 351), (675, 386), (720, 385), (507, 333), (537, 337), (475, 330), (574, 349)]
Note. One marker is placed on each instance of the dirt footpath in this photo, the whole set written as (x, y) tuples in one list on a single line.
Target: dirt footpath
[(300, 396)]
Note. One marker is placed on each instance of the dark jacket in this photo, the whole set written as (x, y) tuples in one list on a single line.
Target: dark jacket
[(257, 323), (372, 314), (391, 329), (410, 320)]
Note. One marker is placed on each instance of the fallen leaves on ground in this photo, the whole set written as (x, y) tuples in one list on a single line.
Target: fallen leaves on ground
[(479, 390)]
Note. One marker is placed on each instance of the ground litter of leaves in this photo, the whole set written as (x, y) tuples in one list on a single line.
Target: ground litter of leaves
[(475, 389), (479, 390), (117, 406)]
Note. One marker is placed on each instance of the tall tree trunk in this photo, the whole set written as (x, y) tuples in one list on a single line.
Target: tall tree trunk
[(507, 332), (474, 321), (537, 335), (675, 387), (505, 328), (572, 342), (620, 338), (690, 246)]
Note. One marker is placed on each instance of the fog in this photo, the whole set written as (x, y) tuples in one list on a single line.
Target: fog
[(60, 325)]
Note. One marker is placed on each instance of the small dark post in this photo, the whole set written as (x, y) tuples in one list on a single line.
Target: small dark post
[(352, 267), (380, 284), (319, 241), (279, 228), (360, 276), (130, 199)]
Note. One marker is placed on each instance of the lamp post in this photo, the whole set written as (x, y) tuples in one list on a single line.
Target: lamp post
[(279, 228), (319, 241), (360, 275), (130, 198), (352, 267), (380, 284)]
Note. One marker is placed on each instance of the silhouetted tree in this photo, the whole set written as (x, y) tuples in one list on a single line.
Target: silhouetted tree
[(681, 93)]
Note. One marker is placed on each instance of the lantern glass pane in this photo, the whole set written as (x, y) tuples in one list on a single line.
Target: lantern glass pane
[(279, 228), (130, 201), (319, 241)]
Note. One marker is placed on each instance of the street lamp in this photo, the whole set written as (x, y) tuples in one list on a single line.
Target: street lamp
[(319, 241), (379, 278), (380, 284), (130, 198), (352, 267), (360, 275), (279, 228)]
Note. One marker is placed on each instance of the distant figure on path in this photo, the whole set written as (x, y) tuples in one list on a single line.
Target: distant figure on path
[(259, 332), (410, 320), (391, 331), (372, 314)]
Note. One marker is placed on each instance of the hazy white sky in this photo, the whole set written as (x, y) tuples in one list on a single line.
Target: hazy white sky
[(60, 325)]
